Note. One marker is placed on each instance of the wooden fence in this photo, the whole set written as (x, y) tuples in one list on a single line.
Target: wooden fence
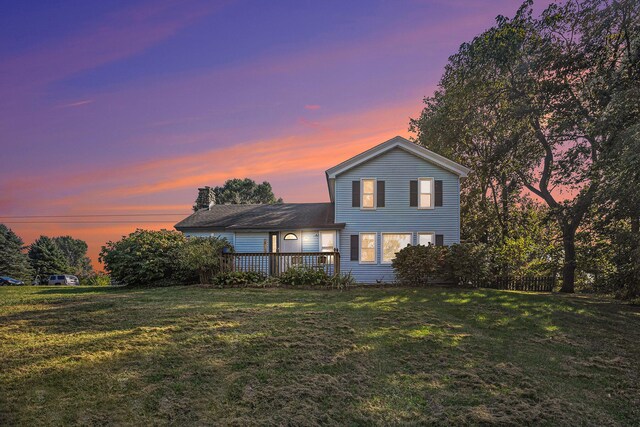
[(276, 263), (523, 283)]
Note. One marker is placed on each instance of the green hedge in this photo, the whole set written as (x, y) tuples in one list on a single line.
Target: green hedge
[(458, 263)]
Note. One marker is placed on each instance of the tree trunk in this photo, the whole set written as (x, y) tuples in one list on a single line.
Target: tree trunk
[(569, 267), (505, 210)]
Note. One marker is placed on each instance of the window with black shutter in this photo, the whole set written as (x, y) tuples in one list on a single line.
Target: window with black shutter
[(439, 240), (380, 194), (355, 194), (355, 248), (413, 193), (438, 192)]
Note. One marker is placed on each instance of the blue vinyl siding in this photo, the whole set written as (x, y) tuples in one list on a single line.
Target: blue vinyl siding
[(310, 241), (396, 167), (251, 242)]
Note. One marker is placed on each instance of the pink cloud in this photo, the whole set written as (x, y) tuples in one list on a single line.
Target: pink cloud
[(312, 107), (76, 104)]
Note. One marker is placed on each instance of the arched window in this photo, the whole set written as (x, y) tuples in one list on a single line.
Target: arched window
[(290, 236)]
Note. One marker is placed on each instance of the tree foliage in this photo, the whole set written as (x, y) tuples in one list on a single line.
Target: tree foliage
[(539, 103), (13, 261), (75, 253), (145, 257), (202, 254), (46, 258), (244, 191)]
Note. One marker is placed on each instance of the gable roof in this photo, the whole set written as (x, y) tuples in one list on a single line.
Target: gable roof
[(281, 216), (405, 144)]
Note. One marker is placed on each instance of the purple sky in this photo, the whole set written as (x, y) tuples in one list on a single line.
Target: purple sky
[(127, 107)]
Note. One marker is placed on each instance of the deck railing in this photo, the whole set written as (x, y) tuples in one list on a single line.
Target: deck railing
[(276, 263)]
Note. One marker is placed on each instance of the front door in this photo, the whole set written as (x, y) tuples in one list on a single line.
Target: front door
[(290, 241)]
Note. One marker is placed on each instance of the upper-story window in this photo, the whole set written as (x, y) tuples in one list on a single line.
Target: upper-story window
[(368, 193), (425, 193)]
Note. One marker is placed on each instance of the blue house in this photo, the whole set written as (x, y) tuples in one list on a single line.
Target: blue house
[(390, 196)]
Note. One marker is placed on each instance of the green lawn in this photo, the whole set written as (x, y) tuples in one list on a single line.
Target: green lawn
[(193, 355)]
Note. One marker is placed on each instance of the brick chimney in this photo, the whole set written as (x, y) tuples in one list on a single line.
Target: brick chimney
[(206, 198)]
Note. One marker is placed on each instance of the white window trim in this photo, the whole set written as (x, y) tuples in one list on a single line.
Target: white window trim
[(335, 239), (375, 194), (432, 233), (382, 261), (432, 193), (375, 248)]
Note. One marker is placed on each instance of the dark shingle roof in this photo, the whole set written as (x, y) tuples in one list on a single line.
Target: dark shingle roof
[(282, 216)]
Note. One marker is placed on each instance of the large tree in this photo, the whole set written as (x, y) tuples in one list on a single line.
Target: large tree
[(13, 261), (542, 99), (46, 257), (75, 252), (243, 191)]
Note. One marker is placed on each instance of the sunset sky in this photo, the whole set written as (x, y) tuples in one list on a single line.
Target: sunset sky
[(121, 107)]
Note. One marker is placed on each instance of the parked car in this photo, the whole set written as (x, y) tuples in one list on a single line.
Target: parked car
[(9, 281), (63, 279)]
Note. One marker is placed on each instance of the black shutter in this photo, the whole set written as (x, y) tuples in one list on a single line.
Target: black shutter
[(438, 189), (380, 194), (355, 247), (439, 240), (413, 193), (355, 194)]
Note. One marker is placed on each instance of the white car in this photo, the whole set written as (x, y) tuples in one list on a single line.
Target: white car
[(63, 279)]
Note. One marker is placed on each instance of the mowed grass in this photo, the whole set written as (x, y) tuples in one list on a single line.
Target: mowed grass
[(195, 355)]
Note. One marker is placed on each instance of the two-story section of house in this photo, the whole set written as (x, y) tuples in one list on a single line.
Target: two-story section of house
[(390, 196), (393, 195)]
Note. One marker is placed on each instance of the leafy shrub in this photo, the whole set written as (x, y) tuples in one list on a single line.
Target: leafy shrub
[(295, 276), (342, 281), (304, 276), (97, 279), (238, 279), (526, 256), (145, 257), (416, 265), (201, 255), (468, 261)]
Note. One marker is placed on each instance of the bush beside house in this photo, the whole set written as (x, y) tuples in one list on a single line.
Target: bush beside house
[(202, 255), (147, 257), (459, 263)]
